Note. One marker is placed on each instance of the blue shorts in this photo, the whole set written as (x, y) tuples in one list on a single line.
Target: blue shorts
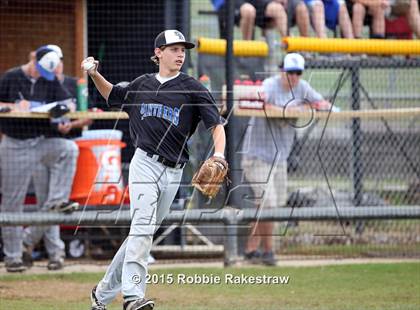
[(331, 11)]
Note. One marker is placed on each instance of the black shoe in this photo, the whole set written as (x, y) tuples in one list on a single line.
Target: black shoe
[(96, 304), (66, 207), (55, 264), (269, 259), (15, 267), (27, 259), (253, 257), (139, 304)]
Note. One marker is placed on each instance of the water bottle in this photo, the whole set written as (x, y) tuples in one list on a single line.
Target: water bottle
[(205, 80), (82, 95)]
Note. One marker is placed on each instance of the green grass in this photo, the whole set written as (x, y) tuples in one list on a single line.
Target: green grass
[(353, 250), (370, 286)]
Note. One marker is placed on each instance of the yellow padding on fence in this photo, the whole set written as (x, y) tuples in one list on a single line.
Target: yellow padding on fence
[(242, 48), (368, 46)]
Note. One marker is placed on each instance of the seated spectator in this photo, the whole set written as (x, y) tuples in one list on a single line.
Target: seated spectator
[(408, 9), (51, 234), (265, 14), (330, 13), (297, 14), (336, 14), (375, 9), (26, 149), (317, 14), (414, 17)]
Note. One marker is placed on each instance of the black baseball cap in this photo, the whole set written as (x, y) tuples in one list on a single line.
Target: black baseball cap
[(169, 37)]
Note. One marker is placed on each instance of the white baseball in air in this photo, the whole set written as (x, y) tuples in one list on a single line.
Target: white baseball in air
[(88, 65)]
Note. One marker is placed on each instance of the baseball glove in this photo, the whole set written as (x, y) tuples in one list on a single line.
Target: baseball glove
[(210, 176)]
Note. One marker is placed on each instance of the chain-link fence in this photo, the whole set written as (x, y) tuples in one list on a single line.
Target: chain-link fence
[(331, 161), (351, 157), (340, 161)]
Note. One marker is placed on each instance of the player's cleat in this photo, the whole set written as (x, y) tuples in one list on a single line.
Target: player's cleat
[(66, 207), (55, 264), (96, 304), (253, 257), (139, 304), (269, 259), (15, 267)]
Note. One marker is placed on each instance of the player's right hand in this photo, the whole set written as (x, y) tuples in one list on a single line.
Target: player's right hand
[(90, 65)]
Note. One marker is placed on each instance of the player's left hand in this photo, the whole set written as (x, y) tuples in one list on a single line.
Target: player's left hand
[(210, 176)]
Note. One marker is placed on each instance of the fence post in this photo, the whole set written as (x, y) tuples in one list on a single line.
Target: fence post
[(231, 237), (170, 17), (185, 26), (357, 136), (232, 136)]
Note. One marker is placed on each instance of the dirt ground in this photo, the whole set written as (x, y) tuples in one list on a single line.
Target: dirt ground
[(91, 266), (63, 291)]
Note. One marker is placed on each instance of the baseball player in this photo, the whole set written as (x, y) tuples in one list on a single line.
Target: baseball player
[(164, 109)]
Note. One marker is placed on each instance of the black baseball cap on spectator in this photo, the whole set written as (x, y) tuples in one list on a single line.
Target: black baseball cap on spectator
[(170, 37)]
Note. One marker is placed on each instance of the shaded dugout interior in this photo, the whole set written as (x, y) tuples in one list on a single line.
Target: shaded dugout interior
[(121, 36)]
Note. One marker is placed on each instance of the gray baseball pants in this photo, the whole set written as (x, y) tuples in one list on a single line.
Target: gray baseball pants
[(51, 163), (153, 187)]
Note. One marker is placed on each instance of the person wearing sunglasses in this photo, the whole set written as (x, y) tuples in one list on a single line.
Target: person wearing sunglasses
[(268, 145)]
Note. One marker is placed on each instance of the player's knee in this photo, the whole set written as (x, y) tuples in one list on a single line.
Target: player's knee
[(248, 11), (138, 248)]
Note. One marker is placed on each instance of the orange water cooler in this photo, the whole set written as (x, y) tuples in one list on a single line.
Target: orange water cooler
[(98, 179)]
